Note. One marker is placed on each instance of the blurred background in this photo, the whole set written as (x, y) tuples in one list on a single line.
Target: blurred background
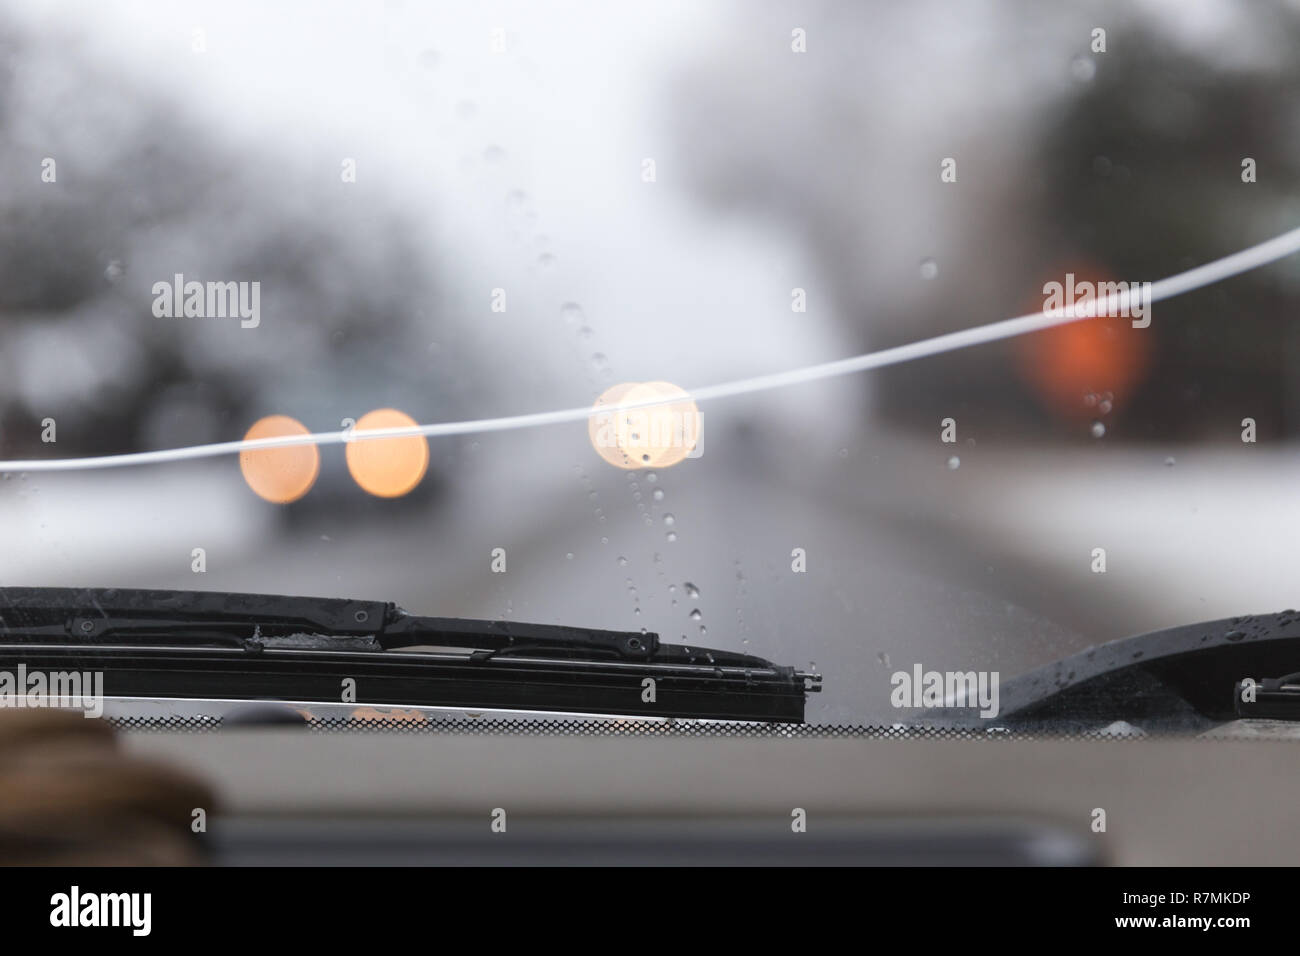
[(649, 185)]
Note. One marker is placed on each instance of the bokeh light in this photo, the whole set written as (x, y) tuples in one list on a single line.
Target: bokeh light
[(653, 436), (1068, 363), (603, 426), (387, 467), (279, 475)]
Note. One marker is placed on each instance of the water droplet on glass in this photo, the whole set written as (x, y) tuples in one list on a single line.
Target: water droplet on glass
[(1097, 430), (671, 536), (929, 269), (954, 463), (1104, 406), (1170, 462), (651, 477), (1083, 69), (622, 561), (604, 540), (571, 313), (568, 556), (696, 615), (1090, 400), (114, 271), (658, 494), (704, 631), (691, 590), (546, 260), (883, 658), (669, 520)]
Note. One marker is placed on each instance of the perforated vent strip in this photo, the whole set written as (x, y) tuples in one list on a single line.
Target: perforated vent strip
[(569, 727)]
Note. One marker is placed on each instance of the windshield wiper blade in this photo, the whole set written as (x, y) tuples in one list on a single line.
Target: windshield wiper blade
[(1276, 698), (1187, 678), (199, 644)]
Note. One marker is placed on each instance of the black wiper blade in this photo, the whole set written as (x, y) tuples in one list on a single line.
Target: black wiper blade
[(1276, 698), (113, 616), (1181, 678), (197, 644)]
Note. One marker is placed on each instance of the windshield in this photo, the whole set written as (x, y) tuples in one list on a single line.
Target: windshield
[(226, 221)]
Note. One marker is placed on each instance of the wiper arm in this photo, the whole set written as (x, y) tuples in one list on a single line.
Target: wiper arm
[(198, 644), (1276, 698), (1180, 678), (109, 616)]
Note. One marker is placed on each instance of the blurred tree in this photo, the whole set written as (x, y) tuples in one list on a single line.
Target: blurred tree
[(144, 190)]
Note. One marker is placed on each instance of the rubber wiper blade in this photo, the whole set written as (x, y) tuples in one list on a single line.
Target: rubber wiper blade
[(1271, 698), (114, 616), (202, 644), (1186, 678)]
